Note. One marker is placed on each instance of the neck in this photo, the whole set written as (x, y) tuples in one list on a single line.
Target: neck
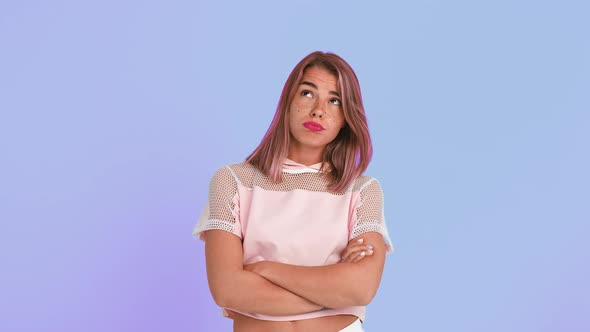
[(306, 156)]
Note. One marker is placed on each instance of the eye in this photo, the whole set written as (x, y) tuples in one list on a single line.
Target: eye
[(336, 101), (306, 93)]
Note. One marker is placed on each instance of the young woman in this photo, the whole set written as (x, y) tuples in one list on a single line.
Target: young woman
[(295, 235)]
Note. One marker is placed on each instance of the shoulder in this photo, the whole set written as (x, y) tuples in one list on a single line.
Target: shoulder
[(363, 182), (241, 173)]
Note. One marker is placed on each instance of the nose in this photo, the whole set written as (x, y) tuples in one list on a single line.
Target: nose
[(318, 110)]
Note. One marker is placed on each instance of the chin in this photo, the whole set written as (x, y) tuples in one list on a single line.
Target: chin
[(315, 142)]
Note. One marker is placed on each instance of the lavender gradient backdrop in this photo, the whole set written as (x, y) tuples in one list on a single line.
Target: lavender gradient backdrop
[(116, 113)]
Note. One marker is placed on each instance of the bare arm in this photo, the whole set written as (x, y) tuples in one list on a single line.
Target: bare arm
[(234, 288), (333, 286)]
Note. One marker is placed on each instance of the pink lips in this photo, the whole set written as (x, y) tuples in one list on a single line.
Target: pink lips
[(313, 126)]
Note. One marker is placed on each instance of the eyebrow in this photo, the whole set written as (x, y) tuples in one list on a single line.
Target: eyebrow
[(315, 87)]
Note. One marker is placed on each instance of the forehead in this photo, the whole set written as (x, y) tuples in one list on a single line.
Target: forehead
[(321, 77)]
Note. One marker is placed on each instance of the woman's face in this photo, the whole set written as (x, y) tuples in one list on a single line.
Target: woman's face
[(315, 114)]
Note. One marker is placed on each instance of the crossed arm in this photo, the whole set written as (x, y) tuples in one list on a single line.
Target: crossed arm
[(275, 289)]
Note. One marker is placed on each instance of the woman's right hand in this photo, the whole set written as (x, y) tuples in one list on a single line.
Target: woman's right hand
[(355, 251)]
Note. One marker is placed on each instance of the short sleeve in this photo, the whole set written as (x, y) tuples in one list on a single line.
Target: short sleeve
[(369, 213), (222, 208)]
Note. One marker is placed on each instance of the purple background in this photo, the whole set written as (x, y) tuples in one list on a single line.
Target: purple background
[(114, 115)]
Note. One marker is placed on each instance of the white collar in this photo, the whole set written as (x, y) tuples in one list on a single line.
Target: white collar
[(293, 167)]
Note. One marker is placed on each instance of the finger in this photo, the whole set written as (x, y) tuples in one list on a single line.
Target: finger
[(353, 251), (359, 243), (347, 259), (351, 257), (358, 257), (351, 246), (361, 255)]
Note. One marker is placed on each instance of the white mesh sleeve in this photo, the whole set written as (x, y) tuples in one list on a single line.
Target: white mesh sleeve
[(369, 213), (222, 208)]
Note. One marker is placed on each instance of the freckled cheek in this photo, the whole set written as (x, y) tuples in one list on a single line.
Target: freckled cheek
[(335, 118), (301, 106)]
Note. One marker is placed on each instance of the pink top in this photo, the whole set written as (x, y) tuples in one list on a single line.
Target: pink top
[(297, 221)]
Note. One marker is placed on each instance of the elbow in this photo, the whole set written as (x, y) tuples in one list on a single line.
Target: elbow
[(220, 299), (226, 291), (364, 300), (354, 301), (222, 293), (226, 300), (366, 290), (360, 297), (364, 296)]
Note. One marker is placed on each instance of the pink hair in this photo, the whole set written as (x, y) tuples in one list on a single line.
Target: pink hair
[(348, 154)]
